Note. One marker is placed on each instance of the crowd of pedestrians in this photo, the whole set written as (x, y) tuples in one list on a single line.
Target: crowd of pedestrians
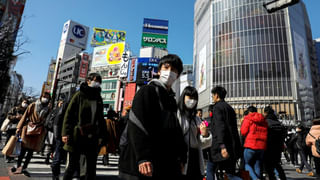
[(160, 137)]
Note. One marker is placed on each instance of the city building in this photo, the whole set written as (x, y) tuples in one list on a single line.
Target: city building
[(72, 73), (73, 41), (186, 77), (152, 52), (260, 58), (317, 48), (315, 70)]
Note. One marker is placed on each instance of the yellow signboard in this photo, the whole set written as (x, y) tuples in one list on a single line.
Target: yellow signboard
[(108, 54)]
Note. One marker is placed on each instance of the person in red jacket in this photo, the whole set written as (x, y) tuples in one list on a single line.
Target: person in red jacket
[(255, 129)]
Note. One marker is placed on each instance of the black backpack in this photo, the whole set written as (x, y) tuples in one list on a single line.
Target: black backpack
[(317, 143)]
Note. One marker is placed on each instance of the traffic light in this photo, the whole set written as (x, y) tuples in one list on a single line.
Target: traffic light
[(276, 5)]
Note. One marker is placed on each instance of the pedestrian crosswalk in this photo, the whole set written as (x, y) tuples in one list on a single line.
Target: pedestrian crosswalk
[(40, 170), (38, 167)]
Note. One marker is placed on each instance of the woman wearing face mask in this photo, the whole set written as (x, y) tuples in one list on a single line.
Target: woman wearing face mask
[(35, 114), (14, 115), (196, 134)]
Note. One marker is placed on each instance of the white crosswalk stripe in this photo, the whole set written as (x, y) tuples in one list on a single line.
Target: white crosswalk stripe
[(38, 167)]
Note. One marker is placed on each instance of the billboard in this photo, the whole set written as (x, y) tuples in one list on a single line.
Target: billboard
[(202, 70), (132, 70), (84, 65), (155, 26), (301, 61), (124, 64), (130, 91), (147, 69), (154, 40), (75, 34), (102, 37), (108, 54)]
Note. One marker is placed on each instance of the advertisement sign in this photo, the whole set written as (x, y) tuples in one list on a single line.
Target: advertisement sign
[(202, 70), (102, 37), (84, 65), (155, 26), (130, 91), (50, 74), (108, 54), (132, 70), (147, 69), (301, 62), (124, 65), (154, 40), (75, 34)]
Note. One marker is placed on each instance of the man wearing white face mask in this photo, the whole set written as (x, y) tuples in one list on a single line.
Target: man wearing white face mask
[(84, 129), (196, 134), (155, 148)]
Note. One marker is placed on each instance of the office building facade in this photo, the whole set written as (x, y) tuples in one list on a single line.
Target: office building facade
[(261, 59)]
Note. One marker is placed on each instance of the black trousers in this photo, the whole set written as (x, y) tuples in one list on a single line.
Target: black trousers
[(193, 171), (317, 165), (21, 156), (271, 165), (89, 165)]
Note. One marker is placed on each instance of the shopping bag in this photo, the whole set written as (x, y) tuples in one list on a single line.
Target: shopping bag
[(17, 148), (103, 150), (8, 148), (4, 126)]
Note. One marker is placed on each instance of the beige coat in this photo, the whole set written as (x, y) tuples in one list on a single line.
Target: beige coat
[(310, 141), (34, 142)]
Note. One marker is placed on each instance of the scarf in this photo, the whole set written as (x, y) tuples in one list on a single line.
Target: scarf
[(41, 110)]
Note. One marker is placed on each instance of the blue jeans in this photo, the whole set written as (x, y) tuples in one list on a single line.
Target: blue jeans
[(55, 165), (253, 160), (211, 169)]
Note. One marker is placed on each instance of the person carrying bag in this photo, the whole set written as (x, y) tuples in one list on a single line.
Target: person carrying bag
[(32, 131)]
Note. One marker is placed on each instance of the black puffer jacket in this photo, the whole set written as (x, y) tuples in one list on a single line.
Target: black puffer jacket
[(164, 144)]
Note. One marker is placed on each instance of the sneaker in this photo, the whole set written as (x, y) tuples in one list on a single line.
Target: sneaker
[(298, 170), (310, 174)]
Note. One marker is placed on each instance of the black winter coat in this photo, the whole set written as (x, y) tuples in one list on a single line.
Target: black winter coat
[(164, 144), (276, 136), (224, 131)]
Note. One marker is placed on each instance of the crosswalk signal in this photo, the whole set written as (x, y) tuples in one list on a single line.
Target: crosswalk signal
[(276, 5)]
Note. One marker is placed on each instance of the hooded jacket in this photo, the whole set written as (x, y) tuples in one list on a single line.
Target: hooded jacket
[(255, 128)]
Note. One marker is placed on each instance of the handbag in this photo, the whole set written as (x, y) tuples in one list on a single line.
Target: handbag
[(4, 126), (9, 147), (34, 129)]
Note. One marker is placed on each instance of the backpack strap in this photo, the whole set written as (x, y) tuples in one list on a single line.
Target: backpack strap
[(312, 136)]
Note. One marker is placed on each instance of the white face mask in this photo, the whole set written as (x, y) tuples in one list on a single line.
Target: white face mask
[(168, 77), (24, 105), (44, 100), (94, 84), (190, 103)]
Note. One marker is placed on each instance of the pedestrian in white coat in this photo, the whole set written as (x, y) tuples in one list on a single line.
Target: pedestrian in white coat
[(196, 134)]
